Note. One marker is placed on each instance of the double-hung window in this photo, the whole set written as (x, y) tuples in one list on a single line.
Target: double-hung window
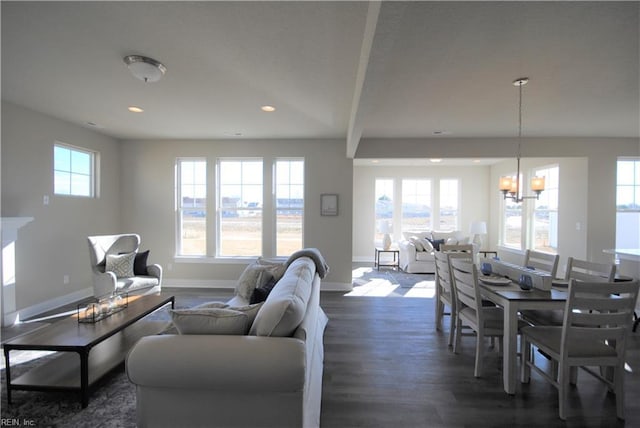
[(383, 206), (289, 195), (416, 204), (512, 222), (628, 204), (240, 207), (74, 171), (545, 212), (449, 204), (191, 194)]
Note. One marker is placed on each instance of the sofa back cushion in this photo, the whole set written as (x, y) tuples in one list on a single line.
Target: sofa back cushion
[(286, 304)]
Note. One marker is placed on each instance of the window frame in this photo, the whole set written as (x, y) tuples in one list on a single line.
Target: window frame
[(276, 209), (220, 209), (179, 208), (93, 170)]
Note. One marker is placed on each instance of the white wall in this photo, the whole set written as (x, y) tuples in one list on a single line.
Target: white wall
[(474, 205), (572, 205), (148, 202), (54, 244)]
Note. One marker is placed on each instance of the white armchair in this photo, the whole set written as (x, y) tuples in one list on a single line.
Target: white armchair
[(136, 276)]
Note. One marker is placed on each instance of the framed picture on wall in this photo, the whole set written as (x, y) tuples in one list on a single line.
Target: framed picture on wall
[(329, 204)]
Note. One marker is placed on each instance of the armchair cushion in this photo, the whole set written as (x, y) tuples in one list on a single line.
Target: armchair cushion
[(120, 264), (140, 263)]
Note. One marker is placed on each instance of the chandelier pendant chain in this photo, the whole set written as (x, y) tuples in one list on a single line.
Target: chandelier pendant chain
[(511, 187)]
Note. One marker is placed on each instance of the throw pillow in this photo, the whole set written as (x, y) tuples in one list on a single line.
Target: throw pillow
[(255, 275), (417, 243), (428, 246), (260, 294), (211, 305), (210, 321), (251, 311), (140, 263), (436, 243), (276, 267), (121, 264), (452, 241)]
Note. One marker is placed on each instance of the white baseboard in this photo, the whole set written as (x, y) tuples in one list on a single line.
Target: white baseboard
[(49, 305)]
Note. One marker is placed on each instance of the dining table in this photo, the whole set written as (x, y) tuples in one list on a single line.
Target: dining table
[(509, 296)]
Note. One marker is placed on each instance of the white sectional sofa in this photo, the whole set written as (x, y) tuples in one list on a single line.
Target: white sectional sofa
[(270, 377), (416, 249)]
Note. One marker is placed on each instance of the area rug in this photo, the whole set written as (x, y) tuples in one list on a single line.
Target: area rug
[(112, 402), (368, 281)]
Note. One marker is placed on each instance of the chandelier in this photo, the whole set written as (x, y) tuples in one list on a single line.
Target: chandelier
[(511, 187)]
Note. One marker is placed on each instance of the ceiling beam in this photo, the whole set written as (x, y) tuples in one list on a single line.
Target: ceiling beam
[(354, 132)]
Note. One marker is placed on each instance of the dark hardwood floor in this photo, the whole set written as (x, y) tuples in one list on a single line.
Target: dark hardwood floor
[(386, 366)]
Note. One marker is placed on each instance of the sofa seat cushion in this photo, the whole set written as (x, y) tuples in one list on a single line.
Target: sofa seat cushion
[(134, 282), (424, 256), (286, 305)]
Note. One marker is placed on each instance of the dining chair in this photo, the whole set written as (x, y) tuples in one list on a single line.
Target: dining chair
[(597, 319), (584, 270), (542, 261), (485, 321), (445, 293), (580, 270)]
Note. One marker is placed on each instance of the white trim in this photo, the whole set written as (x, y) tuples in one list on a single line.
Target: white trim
[(55, 303)]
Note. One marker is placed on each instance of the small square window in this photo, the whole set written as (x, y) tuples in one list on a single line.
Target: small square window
[(73, 171)]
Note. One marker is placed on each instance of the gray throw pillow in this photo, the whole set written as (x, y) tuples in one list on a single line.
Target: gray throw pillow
[(210, 321), (120, 264)]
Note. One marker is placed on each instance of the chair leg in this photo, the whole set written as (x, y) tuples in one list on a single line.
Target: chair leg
[(525, 357), (479, 355), (618, 383), (573, 379), (452, 326), (439, 312), (563, 390), (458, 335)]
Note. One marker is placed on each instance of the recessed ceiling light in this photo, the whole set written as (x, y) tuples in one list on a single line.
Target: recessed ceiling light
[(476, 161), (268, 108), (135, 109), (441, 132), (435, 160), (375, 161)]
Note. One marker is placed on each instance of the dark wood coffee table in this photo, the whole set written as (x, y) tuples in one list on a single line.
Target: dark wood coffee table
[(101, 346)]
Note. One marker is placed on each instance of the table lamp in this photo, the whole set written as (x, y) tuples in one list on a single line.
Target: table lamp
[(477, 229)]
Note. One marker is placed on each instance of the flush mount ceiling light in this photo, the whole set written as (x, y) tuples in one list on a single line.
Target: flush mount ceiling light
[(135, 109), (511, 187), (144, 68), (268, 108)]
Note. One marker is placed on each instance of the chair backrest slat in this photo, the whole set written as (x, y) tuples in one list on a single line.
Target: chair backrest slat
[(542, 261), (601, 311), (465, 279), (583, 270)]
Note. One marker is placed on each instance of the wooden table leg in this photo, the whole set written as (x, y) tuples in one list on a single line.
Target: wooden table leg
[(510, 351), (7, 373), (84, 377)]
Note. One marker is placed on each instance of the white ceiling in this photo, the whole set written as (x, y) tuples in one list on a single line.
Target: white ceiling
[(333, 69)]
